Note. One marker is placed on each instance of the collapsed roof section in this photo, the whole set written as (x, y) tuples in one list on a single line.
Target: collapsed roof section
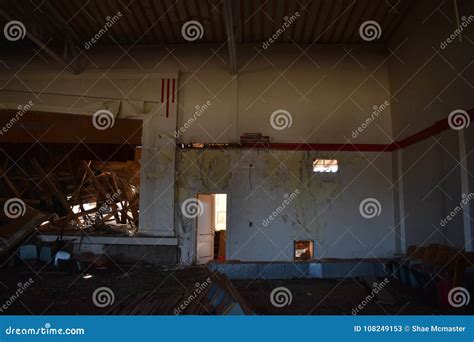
[(72, 175)]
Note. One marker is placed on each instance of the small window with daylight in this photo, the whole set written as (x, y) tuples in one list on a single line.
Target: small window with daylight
[(304, 250), (325, 165)]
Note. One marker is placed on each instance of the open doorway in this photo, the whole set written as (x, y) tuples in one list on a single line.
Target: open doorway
[(211, 227)]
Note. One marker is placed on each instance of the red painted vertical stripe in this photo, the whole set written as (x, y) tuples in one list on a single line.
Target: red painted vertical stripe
[(167, 97), (173, 91), (162, 89)]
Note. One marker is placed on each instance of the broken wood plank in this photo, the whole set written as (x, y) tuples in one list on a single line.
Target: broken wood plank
[(54, 189), (10, 183), (100, 188)]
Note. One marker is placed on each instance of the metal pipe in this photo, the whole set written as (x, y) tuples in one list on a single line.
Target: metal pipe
[(456, 14)]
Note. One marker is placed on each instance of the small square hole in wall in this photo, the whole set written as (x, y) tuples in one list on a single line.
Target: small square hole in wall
[(304, 250), (325, 166)]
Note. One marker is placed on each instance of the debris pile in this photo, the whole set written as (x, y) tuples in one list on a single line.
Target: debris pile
[(71, 195)]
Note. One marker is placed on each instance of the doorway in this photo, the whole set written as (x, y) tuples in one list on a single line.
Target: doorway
[(211, 228)]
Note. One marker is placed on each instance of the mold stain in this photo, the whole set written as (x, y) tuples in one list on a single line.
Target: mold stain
[(278, 172)]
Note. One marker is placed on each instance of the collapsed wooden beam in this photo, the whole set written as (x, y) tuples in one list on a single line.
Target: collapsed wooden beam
[(17, 230)]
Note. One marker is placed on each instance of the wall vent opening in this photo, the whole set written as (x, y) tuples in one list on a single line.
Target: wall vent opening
[(304, 250)]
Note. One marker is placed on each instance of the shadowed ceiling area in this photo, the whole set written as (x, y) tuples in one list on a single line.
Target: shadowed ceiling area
[(237, 157), (161, 21)]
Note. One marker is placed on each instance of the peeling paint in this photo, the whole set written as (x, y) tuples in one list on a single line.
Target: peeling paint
[(257, 182)]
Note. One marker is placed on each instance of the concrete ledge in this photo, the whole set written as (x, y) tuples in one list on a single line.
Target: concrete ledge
[(300, 270), (150, 250), (114, 240), (157, 255)]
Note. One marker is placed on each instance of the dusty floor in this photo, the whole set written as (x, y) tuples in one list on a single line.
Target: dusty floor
[(339, 297), (69, 292)]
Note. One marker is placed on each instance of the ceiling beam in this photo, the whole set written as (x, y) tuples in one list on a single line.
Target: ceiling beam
[(229, 19), (238, 21), (61, 128), (59, 17), (43, 46)]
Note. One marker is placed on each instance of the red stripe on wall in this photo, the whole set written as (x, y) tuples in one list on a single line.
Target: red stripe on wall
[(167, 97), (162, 89), (427, 133), (437, 128), (323, 147), (173, 90)]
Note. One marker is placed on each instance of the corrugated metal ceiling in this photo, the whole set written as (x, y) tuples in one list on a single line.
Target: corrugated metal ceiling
[(160, 21)]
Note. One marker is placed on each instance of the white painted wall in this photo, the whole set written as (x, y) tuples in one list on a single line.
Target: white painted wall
[(326, 208), (427, 83), (432, 191), (329, 91)]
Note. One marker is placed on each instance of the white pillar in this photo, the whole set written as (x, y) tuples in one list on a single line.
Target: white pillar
[(157, 174)]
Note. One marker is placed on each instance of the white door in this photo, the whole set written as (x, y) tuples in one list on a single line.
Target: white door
[(205, 230)]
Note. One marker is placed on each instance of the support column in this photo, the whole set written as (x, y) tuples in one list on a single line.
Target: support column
[(157, 182), (401, 202), (465, 191)]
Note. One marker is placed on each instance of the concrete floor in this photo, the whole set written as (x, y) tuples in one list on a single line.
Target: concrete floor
[(66, 292)]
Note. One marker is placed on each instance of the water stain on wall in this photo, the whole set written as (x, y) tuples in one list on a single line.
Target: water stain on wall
[(243, 174)]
